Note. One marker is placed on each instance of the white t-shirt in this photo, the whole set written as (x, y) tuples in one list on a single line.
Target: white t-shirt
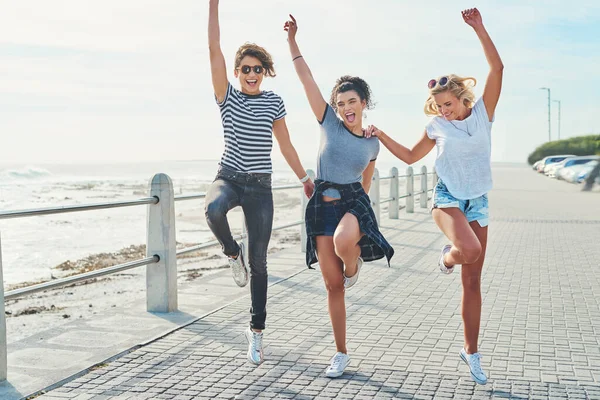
[(464, 150)]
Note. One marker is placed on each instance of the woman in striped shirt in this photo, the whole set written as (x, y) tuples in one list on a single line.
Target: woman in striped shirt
[(250, 118)]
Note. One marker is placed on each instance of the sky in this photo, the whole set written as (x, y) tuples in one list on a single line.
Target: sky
[(123, 81)]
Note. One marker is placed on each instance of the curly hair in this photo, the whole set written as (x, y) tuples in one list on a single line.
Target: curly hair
[(254, 50), (347, 83), (461, 88)]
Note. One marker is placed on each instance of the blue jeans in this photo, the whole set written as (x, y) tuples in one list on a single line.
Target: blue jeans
[(253, 193), (474, 209)]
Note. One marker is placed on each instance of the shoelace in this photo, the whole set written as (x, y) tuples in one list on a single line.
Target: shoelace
[(257, 341), (337, 361), (475, 363)]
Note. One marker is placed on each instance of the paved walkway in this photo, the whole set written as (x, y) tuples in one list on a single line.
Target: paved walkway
[(540, 326)]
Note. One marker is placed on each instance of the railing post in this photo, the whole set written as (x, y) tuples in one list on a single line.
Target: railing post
[(161, 278), (304, 203), (394, 206), (375, 196), (424, 194), (434, 178), (410, 190), (3, 341)]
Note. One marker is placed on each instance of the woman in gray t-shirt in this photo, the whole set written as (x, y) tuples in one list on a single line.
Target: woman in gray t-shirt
[(340, 223)]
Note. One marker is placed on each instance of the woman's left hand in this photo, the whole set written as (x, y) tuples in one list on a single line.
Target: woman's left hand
[(472, 17), (371, 131)]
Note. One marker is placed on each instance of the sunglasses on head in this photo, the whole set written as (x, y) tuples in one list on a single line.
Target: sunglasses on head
[(258, 69), (442, 82)]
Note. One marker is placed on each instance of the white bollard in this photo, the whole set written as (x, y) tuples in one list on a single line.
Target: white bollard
[(161, 278), (410, 190), (424, 194), (304, 203), (374, 194), (394, 206), (3, 342)]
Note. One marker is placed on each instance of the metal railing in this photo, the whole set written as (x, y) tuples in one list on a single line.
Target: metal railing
[(161, 251)]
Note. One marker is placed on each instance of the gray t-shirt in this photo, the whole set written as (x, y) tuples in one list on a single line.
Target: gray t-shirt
[(343, 156)]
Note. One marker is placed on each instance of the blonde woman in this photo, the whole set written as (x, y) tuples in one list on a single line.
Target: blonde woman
[(461, 129)]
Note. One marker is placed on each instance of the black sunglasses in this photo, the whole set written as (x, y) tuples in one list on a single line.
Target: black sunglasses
[(258, 69), (442, 82)]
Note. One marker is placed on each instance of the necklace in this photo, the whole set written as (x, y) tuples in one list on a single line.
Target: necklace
[(460, 129)]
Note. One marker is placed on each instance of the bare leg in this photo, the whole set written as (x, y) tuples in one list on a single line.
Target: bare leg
[(466, 247), (331, 268), (471, 297), (345, 240)]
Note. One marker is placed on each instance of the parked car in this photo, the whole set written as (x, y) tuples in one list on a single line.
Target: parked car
[(571, 174), (553, 169), (585, 171), (551, 159), (536, 164)]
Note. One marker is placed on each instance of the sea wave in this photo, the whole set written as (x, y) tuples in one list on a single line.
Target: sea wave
[(24, 173)]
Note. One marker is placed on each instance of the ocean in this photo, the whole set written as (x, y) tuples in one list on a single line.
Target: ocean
[(32, 246)]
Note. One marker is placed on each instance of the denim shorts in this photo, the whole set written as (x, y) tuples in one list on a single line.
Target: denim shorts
[(333, 212), (474, 209)]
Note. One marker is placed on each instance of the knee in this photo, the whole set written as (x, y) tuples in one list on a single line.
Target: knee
[(214, 211), (342, 244), (471, 252), (334, 288)]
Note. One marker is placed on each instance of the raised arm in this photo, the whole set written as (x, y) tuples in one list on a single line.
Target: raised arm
[(315, 98), (409, 156), (217, 61), (493, 84)]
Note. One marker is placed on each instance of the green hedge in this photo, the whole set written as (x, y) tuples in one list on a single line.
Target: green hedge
[(579, 146)]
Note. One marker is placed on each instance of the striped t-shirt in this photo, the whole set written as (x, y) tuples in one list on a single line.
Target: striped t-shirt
[(248, 128)]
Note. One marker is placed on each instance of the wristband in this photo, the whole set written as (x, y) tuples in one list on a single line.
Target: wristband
[(306, 178), (295, 58)]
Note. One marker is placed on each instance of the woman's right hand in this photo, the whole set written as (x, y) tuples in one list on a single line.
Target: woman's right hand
[(291, 27)]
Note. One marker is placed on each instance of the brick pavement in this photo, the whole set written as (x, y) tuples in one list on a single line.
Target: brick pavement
[(540, 325)]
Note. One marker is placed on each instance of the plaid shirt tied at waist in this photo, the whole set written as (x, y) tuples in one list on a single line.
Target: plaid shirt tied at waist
[(373, 245)]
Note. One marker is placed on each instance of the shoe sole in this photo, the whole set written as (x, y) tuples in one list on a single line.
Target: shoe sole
[(478, 381), (246, 269), (337, 374), (446, 270), (248, 356), (355, 275)]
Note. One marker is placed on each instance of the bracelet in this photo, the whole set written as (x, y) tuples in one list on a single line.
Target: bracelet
[(295, 58), (305, 178)]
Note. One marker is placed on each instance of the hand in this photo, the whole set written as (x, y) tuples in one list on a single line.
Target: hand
[(309, 188), (472, 17), (371, 131), (291, 27)]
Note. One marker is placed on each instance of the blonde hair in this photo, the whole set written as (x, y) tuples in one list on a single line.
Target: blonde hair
[(461, 88)]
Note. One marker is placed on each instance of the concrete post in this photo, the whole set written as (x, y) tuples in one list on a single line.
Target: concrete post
[(394, 207), (410, 190), (374, 194), (161, 278), (3, 341), (424, 194), (434, 179), (304, 203)]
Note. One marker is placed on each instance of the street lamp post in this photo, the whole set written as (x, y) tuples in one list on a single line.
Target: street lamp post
[(549, 125), (558, 101)]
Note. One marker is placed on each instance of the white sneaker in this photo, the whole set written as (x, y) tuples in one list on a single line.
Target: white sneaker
[(474, 363), (239, 270), (349, 282), (339, 362), (443, 268), (255, 346)]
